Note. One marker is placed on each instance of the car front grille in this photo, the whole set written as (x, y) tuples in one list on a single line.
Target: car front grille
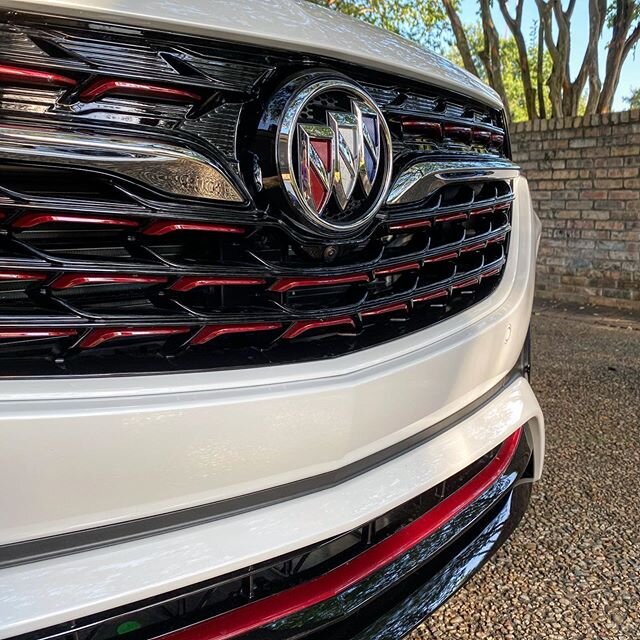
[(110, 263)]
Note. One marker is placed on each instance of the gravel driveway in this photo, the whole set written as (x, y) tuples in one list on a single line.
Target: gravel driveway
[(572, 569)]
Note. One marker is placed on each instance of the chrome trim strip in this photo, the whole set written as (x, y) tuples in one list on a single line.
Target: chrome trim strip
[(422, 179), (175, 170)]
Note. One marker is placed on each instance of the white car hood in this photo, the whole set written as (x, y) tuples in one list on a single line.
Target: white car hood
[(296, 25)]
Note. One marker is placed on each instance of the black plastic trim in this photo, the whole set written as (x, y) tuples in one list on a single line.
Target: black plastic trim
[(415, 602)]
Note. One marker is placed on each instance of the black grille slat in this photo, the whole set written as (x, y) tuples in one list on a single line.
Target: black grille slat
[(16, 43), (117, 58), (414, 265), (217, 127), (496, 226)]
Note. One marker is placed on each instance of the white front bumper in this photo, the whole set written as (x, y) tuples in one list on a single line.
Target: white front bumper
[(43, 593), (87, 452)]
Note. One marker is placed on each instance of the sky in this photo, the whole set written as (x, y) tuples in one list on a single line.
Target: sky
[(630, 77)]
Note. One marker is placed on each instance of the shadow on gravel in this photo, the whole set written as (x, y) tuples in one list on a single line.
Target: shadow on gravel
[(572, 569)]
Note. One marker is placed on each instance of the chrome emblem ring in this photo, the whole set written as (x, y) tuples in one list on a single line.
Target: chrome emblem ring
[(333, 153)]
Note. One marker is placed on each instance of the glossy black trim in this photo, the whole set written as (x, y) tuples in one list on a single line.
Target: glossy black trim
[(77, 541), (415, 600)]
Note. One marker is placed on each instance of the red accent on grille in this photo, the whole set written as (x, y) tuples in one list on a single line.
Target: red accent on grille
[(433, 129), (503, 207), (36, 333), (96, 337), (443, 256), (406, 226), (399, 268), (267, 610), (481, 135), (22, 275), (388, 308), (33, 77), (214, 331), (443, 293), (286, 284), (481, 212), (105, 86), (187, 283), (473, 247), (30, 220), (492, 272), (162, 228), (496, 240), (450, 217), (466, 283), (457, 132), (497, 140), (302, 326), (71, 280)]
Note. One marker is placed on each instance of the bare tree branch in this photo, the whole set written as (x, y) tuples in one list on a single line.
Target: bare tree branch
[(555, 81), (632, 40), (563, 73), (590, 68), (566, 95), (490, 55)]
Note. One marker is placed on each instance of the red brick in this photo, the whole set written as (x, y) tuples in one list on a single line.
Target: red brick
[(585, 183), (594, 195)]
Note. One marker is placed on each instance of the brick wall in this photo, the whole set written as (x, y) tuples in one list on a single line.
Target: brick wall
[(584, 175)]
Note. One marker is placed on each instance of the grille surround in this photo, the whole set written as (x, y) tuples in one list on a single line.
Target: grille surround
[(288, 295)]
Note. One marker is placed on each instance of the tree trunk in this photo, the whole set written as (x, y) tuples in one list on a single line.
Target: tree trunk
[(619, 48), (490, 56), (563, 45), (515, 26), (590, 69), (542, 107), (555, 81), (461, 38)]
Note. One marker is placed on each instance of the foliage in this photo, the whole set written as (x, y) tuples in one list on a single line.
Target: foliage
[(634, 99), (613, 10)]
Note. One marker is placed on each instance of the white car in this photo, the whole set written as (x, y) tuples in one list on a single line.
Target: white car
[(266, 276)]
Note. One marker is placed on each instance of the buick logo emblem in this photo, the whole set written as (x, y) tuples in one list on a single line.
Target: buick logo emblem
[(332, 158), (333, 152)]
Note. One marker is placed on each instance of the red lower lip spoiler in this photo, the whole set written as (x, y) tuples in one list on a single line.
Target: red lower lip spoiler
[(280, 605)]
